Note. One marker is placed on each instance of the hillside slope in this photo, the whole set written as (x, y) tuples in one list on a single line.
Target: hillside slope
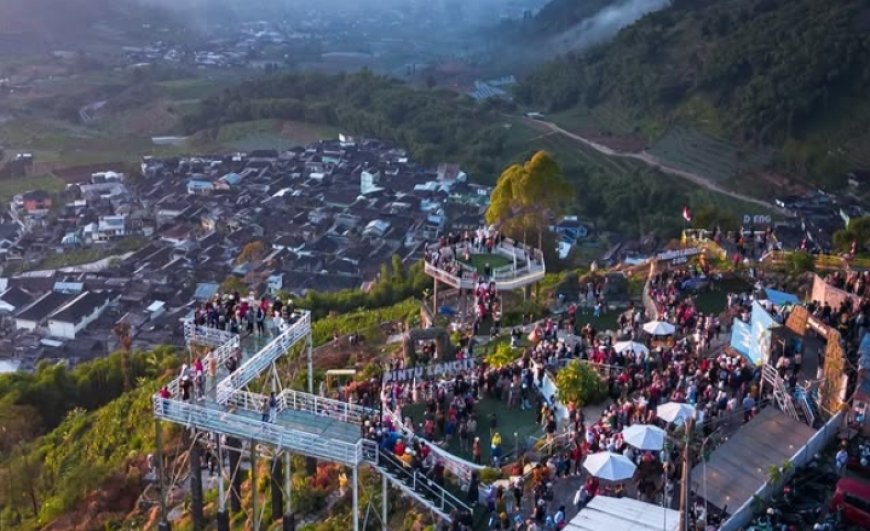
[(791, 73), (48, 25)]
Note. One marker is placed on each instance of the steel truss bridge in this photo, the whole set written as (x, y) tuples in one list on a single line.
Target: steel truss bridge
[(302, 424)]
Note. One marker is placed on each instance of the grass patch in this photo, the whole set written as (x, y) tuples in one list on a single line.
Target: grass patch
[(74, 257), (479, 261), (510, 421), (194, 87), (11, 187), (714, 302), (362, 321)]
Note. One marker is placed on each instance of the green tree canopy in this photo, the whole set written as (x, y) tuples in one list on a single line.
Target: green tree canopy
[(502, 356), (527, 196), (858, 231), (577, 383)]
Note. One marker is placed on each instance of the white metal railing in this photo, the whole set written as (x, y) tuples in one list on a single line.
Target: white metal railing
[(242, 426), (419, 486), (780, 393), (203, 335), (251, 401), (261, 361), (457, 466), (514, 281), (369, 451), (802, 397), (326, 407)]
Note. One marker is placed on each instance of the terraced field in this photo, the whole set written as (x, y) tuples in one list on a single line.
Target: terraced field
[(691, 151), (605, 117), (524, 139)]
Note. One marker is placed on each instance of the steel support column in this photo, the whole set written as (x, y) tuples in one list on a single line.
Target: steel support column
[(356, 498), (384, 503), (255, 518), (194, 462), (163, 524), (223, 518), (233, 446), (277, 484)]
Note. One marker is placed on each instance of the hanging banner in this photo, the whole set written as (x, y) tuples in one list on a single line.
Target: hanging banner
[(446, 369)]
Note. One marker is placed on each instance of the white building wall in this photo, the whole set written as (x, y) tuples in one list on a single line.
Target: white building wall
[(25, 324), (62, 329)]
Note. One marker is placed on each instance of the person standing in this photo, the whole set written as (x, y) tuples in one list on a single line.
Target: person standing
[(495, 448), (264, 410), (475, 450), (841, 459)]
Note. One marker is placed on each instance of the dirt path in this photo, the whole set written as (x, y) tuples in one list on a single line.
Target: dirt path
[(647, 159)]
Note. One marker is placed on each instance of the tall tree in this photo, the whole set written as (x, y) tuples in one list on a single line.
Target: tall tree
[(122, 332), (527, 196)]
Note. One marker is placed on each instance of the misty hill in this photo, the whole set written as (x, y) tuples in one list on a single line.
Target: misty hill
[(47, 25), (566, 26), (791, 73)]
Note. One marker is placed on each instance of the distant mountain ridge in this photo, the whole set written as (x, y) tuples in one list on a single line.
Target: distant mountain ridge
[(792, 73)]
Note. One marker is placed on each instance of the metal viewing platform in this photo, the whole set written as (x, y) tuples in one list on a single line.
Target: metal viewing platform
[(525, 266), (300, 423)]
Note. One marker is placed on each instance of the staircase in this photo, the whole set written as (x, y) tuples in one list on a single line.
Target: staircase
[(413, 483), (780, 393), (805, 404)]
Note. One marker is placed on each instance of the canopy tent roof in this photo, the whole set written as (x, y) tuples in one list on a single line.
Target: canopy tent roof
[(740, 466), (781, 298), (623, 514), (659, 328)]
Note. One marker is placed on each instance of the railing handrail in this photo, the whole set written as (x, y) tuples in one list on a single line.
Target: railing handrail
[(260, 361), (514, 281), (448, 501), (227, 422), (328, 407), (459, 467)]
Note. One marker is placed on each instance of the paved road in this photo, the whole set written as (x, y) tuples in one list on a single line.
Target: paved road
[(647, 159)]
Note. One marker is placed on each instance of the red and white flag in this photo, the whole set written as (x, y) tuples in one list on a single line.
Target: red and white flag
[(687, 214)]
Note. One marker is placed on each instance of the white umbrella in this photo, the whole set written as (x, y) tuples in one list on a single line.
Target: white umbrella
[(644, 436), (659, 328), (675, 412), (633, 346), (609, 466)]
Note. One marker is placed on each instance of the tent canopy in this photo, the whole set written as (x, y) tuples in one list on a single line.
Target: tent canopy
[(781, 298), (623, 514)]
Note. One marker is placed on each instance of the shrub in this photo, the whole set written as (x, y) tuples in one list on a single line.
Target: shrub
[(502, 356), (578, 383)]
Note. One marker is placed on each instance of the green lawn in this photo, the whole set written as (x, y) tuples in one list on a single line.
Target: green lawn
[(714, 301), (510, 421), (479, 261)]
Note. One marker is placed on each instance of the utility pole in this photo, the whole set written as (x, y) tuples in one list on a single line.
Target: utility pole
[(686, 478)]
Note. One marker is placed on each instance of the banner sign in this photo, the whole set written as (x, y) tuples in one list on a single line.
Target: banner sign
[(824, 292), (758, 219), (761, 324), (678, 253), (449, 368)]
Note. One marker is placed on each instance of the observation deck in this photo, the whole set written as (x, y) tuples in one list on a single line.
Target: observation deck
[(302, 423), (521, 266)]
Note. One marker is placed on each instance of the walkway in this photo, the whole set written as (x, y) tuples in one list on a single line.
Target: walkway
[(301, 423)]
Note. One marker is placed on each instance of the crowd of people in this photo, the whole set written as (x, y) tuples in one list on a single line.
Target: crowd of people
[(244, 315), (687, 367)]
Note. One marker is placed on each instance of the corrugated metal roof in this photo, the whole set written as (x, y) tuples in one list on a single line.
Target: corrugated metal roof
[(740, 466), (623, 514)]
